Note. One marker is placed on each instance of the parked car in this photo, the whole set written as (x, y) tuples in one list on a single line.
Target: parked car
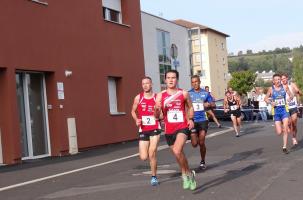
[(246, 111)]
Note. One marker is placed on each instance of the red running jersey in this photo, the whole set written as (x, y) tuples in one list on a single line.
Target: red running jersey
[(145, 112), (173, 108)]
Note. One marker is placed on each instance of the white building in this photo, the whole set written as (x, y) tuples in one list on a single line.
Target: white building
[(158, 36)]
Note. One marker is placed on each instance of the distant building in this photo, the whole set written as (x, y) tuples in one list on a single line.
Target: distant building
[(266, 76), (208, 56), (158, 37)]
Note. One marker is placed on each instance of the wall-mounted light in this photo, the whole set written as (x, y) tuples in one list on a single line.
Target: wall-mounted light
[(68, 73)]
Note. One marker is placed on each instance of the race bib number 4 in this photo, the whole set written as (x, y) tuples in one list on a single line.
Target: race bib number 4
[(175, 116), (198, 106), (280, 102), (235, 107), (148, 120)]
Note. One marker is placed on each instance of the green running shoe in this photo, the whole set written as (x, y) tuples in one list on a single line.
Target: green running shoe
[(186, 182), (193, 183)]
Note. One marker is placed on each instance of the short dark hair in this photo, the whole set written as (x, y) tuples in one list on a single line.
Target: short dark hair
[(227, 92), (276, 75), (147, 77), (195, 76), (206, 87), (172, 71), (284, 74)]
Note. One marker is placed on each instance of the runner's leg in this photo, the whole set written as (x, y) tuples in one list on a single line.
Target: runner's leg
[(294, 120), (152, 152), (202, 135), (234, 121), (177, 150), (143, 149)]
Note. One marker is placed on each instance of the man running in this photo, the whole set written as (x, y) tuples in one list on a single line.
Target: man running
[(201, 100), (232, 104), (149, 126), (209, 110), (280, 110), (292, 106), (172, 103)]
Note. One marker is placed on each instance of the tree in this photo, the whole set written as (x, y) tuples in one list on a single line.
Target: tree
[(249, 52), (298, 67), (242, 81)]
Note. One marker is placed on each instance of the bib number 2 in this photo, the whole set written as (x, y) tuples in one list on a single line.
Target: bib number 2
[(148, 120)]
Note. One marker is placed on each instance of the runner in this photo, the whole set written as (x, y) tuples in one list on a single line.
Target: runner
[(149, 127), (280, 110), (209, 110), (232, 104), (201, 100), (292, 106), (172, 102)]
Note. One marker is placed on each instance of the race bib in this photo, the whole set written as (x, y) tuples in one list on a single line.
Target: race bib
[(148, 120), (175, 116), (198, 106), (234, 107), (280, 102), (293, 103)]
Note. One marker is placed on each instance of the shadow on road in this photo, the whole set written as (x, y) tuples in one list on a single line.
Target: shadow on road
[(235, 158), (230, 175)]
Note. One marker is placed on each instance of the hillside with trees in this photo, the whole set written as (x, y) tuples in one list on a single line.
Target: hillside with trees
[(278, 60)]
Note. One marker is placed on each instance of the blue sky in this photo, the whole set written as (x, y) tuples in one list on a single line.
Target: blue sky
[(254, 24)]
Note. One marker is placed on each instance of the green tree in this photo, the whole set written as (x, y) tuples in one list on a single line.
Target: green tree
[(242, 81), (298, 67)]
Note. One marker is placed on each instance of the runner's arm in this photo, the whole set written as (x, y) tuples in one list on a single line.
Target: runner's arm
[(134, 110), (268, 94), (225, 106), (190, 109), (296, 89), (157, 113), (291, 96)]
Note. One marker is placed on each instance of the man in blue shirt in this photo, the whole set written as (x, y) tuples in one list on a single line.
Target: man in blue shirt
[(201, 100)]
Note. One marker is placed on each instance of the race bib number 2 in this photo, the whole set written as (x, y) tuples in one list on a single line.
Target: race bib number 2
[(175, 116), (198, 106), (148, 120)]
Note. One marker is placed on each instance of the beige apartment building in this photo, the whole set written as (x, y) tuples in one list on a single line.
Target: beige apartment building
[(208, 56)]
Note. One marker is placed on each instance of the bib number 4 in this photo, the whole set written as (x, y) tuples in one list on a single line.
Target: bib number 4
[(175, 116)]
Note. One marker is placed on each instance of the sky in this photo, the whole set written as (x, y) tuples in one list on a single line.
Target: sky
[(255, 24)]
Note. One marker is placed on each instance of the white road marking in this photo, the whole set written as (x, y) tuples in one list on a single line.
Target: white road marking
[(96, 165)]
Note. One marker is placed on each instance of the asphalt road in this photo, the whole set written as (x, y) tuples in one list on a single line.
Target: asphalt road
[(251, 167)]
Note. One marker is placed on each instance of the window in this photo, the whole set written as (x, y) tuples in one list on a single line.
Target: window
[(111, 15), (113, 95), (163, 40), (112, 10), (222, 45)]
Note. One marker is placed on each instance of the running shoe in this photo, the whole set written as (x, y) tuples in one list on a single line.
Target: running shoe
[(154, 181), (193, 183), (202, 165), (186, 182), (284, 149), (294, 142), (219, 126)]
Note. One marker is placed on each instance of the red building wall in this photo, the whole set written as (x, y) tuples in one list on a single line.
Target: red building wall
[(70, 35)]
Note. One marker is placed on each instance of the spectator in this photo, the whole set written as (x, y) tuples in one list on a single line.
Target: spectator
[(262, 105)]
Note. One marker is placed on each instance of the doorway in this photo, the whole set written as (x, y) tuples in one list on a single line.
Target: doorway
[(31, 97)]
